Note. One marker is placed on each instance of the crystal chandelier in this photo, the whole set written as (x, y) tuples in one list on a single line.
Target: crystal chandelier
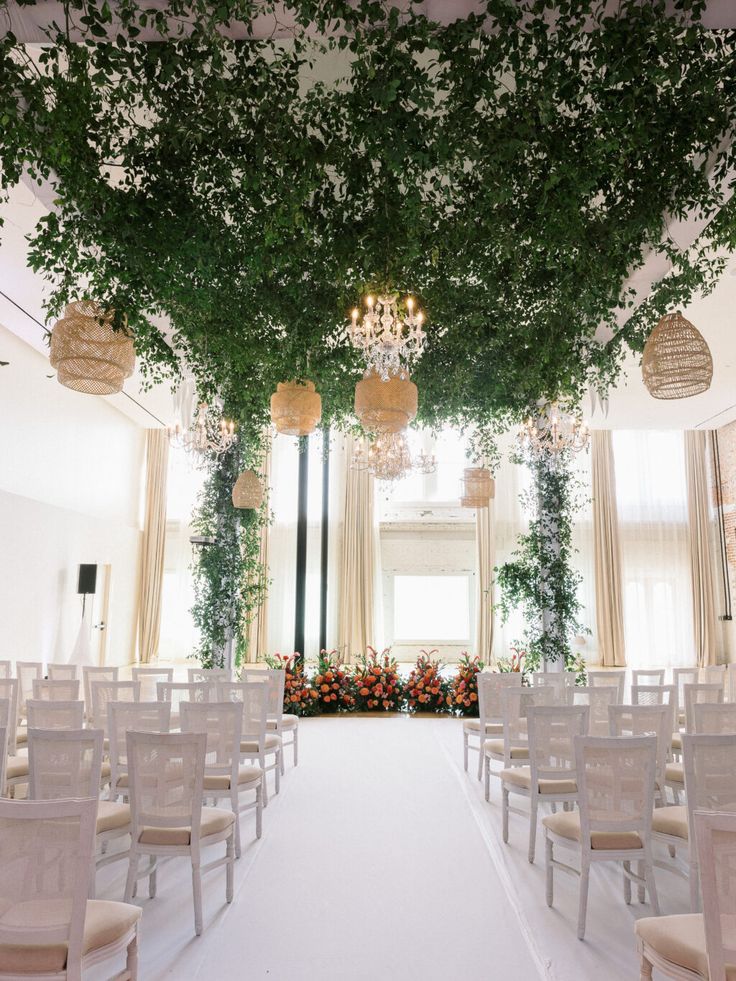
[(388, 457), (207, 432), (389, 340), (556, 427)]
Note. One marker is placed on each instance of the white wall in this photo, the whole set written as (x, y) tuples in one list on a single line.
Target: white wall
[(71, 473)]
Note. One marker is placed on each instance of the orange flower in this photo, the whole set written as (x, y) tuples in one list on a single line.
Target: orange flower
[(364, 691), (473, 697)]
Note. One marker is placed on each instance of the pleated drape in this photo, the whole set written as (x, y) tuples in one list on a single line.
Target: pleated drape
[(154, 540), (701, 567), (607, 553), (258, 626), (485, 557), (357, 562)]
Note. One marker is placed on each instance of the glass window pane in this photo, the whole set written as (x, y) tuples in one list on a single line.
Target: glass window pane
[(435, 608)]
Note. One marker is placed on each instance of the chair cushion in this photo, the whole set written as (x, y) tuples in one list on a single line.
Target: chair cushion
[(566, 824), (214, 820), (671, 820), (246, 774), (288, 721), (677, 741), (251, 745), (105, 923), (679, 939), (521, 776), (17, 767), (21, 735), (675, 773), (473, 725), (106, 771), (111, 816), (495, 747)]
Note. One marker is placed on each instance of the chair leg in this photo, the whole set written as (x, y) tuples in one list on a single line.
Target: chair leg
[(627, 883), (583, 898), (694, 882), (262, 762), (641, 891), (152, 883), (281, 760), (296, 746), (505, 812), (651, 885), (230, 853), (549, 869), (131, 960), (131, 879), (645, 969), (488, 778), (533, 828), (197, 895), (259, 811), (480, 758), (465, 751), (277, 769)]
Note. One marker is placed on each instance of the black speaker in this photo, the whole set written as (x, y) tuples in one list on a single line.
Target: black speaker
[(87, 579)]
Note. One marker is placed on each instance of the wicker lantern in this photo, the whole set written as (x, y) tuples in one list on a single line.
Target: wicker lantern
[(677, 362), (295, 409), (248, 491), (385, 406), (478, 487), (88, 355)]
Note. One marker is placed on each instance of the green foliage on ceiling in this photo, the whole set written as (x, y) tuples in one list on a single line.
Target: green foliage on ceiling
[(510, 169)]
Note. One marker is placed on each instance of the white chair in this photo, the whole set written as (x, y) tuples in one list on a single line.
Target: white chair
[(661, 695), (176, 692), (68, 764), (149, 678), (55, 690), (694, 945), (729, 686), (124, 717), (45, 714), (512, 749), (680, 678), (90, 674), (693, 695), (615, 796), (4, 756), (15, 767), (166, 772), (550, 777), (714, 717), (490, 712), (50, 928), (279, 721), (648, 676), (614, 677), (257, 742), (61, 672), (224, 777), (9, 690), (645, 720), (713, 674), (209, 675), (6, 669), (598, 701), (558, 680), (104, 692), (26, 672)]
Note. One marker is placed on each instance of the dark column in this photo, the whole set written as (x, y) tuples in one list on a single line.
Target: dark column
[(301, 548), (325, 539)]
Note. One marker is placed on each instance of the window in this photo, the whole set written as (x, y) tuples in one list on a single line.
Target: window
[(432, 608)]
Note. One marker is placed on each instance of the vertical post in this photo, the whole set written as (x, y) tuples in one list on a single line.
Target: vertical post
[(325, 539), (300, 605)]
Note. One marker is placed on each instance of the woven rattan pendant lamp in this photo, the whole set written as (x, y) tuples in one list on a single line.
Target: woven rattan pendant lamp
[(248, 491), (385, 406), (88, 355), (295, 408), (677, 362), (479, 487)]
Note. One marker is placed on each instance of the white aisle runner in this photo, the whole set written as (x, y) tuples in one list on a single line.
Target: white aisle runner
[(380, 860)]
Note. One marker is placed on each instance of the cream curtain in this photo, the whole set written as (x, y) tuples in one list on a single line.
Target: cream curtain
[(258, 626), (701, 566), (154, 538), (484, 544), (356, 621), (607, 550)]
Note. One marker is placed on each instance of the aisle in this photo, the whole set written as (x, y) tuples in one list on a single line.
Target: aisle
[(380, 860)]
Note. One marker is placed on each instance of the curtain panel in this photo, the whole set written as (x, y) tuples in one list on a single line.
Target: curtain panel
[(154, 540), (607, 553), (701, 560), (485, 549)]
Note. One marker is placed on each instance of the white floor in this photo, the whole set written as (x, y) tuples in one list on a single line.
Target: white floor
[(381, 860)]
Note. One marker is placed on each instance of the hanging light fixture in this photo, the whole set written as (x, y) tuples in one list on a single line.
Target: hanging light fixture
[(554, 428), (390, 339), (677, 362), (387, 457), (88, 355), (248, 491), (208, 433), (296, 408), (479, 487), (385, 405)]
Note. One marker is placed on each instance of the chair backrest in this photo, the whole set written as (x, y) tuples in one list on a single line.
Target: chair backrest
[(710, 774), (176, 692), (713, 674), (680, 678), (730, 683), (715, 835), (648, 676), (124, 717), (149, 678), (4, 757), (61, 672), (195, 675), (9, 690), (26, 672), (6, 669), (552, 730), (46, 714), (598, 701), (222, 723), (615, 677), (55, 690), (657, 695), (46, 850), (90, 674), (166, 775), (516, 702), (254, 697), (276, 681), (649, 719), (565, 679), (615, 785), (64, 763), (697, 695), (104, 692), (714, 717), (490, 686)]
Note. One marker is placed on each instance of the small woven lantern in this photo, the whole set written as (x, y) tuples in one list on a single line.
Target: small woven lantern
[(385, 406), (677, 362), (88, 355), (248, 491), (478, 487), (295, 409)]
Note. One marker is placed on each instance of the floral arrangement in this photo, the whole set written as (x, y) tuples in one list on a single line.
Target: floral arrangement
[(334, 686), (426, 689), (300, 698), (462, 696), (515, 663), (378, 685)]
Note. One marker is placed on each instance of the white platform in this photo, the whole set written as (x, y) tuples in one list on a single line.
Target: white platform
[(381, 860)]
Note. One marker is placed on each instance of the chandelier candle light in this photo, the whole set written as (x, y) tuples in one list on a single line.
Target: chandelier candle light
[(555, 428), (389, 340), (389, 458), (206, 435)]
